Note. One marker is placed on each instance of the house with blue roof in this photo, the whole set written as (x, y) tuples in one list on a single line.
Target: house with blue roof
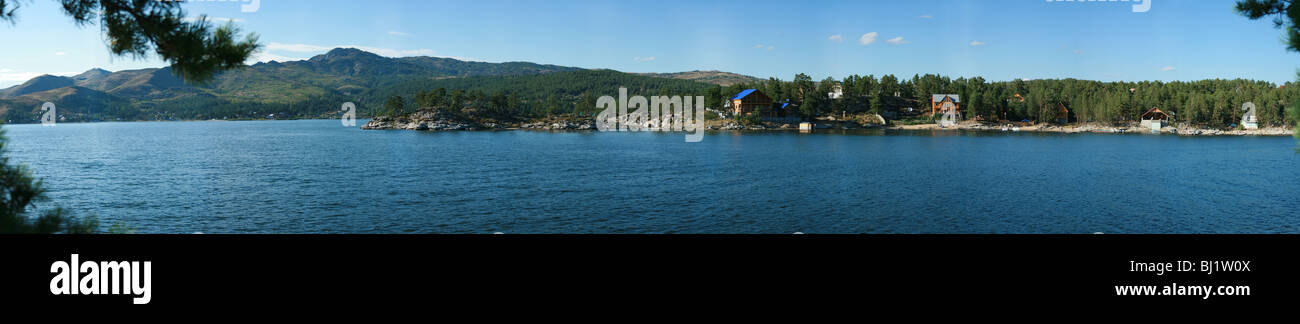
[(748, 101)]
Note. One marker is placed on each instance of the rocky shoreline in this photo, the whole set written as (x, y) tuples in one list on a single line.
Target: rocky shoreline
[(422, 120), (436, 120), (1182, 129)]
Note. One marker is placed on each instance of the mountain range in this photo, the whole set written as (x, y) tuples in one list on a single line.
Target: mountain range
[(311, 88)]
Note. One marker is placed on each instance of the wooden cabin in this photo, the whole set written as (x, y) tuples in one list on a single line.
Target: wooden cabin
[(936, 104), (1062, 114), (1154, 118), (749, 101), (1155, 114)]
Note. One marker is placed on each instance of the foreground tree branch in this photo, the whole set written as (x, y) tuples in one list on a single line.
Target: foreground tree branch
[(195, 49)]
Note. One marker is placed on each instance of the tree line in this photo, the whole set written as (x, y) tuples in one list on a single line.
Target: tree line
[(1209, 103), (528, 96), (1214, 103)]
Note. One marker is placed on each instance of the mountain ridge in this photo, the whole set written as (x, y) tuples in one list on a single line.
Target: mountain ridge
[(707, 76), (339, 75)]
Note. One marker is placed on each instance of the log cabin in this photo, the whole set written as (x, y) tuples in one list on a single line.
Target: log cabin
[(936, 104)]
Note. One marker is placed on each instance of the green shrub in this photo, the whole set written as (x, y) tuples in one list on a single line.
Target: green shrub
[(23, 192)]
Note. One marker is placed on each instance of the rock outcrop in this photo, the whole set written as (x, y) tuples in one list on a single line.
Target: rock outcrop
[(423, 120), (588, 124)]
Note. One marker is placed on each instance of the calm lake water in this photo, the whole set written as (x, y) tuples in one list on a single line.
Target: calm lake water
[(316, 176)]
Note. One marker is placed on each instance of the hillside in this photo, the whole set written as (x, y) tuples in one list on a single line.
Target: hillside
[(38, 84), (92, 75), (713, 77), (547, 94), (317, 86), (91, 105)]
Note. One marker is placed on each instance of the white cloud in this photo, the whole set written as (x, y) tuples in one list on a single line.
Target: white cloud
[(770, 47), (837, 38), (16, 76), (643, 59), (758, 46), (926, 16), (976, 43), (398, 33), (868, 38), (263, 57), (309, 48), (1078, 51), (897, 41), (60, 53), (11, 77), (1168, 68)]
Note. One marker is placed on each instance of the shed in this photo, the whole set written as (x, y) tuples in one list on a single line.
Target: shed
[(1155, 118)]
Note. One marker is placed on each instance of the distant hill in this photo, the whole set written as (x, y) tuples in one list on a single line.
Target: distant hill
[(565, 88), (88, 103), (714, 77), (91, 75), (38, 84), (317, 86)]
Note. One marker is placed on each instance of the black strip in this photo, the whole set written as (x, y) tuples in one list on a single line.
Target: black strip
[(210, 272)]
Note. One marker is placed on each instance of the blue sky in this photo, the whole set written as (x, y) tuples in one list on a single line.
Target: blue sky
[(996, 39)]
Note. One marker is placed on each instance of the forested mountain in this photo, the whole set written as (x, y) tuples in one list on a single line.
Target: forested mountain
[(316, 87), (536, 95), (308, 88)]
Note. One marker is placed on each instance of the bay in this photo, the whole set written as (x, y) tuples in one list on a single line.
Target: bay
[(317, 176)]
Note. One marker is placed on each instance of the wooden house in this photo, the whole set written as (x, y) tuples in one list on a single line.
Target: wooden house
[(936, 104), (749, 101), (1062, 114)]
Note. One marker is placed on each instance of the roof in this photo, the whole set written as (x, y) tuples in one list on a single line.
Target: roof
[(939, 97), (742, 94), (1154, 110)]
